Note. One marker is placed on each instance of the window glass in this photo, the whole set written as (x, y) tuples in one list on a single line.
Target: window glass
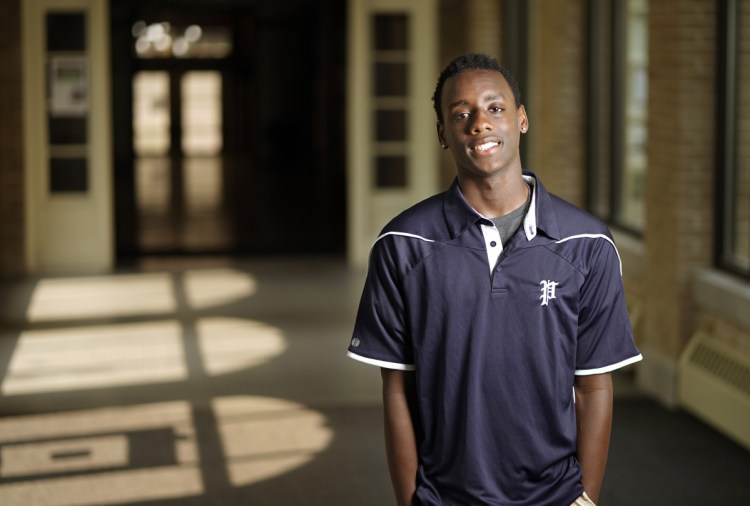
[(735, 201), (151, 118), (67, 102), (390, 85), (618, 111), (201, 113), (391, 32), (631, 199), (741, 227)]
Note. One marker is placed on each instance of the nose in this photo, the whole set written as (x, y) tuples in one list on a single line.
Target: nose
[(480, 122)]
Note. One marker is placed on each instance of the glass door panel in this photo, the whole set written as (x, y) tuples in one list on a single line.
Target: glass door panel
[(179, 194), (151, 115), (202, 163), (151, 143), (201, 113)]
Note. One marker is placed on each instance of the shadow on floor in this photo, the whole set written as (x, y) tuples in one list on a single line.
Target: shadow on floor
[(256, 403)]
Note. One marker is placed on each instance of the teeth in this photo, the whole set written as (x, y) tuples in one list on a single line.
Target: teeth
[(485, 146)]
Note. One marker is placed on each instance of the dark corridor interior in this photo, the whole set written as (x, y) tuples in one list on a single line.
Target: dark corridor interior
[(228, 127)]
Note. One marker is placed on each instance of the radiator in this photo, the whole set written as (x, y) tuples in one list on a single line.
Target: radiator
[(714, 384)]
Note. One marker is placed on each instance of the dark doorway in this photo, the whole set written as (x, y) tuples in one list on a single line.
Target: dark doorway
[(228, 127)]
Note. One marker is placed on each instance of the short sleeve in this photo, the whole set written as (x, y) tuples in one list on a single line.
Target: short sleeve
[(605, 337), (380, 336)]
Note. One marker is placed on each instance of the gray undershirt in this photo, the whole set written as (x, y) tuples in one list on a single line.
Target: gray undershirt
[(509, 223)]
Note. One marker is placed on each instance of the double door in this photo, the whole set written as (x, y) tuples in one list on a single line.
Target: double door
[(180, 181), (236, 146)]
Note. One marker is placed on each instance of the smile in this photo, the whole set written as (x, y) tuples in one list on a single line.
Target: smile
[(485, 146)]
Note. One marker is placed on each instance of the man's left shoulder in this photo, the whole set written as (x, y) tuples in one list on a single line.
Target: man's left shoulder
[(574, 221), (584, 240)]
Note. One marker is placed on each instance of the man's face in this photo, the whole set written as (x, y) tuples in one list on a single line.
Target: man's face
[(481, 124)]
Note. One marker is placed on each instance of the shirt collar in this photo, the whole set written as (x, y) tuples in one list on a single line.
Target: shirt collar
[(541, 216)]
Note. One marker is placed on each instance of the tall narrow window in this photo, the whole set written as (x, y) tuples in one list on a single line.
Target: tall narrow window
[(629, 211), (390, 90), (618, 111), (68, 102), (734, 131)]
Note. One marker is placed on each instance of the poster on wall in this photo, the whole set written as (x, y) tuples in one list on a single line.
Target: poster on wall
[(68, 89)]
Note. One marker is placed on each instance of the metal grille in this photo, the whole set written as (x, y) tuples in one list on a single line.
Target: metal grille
[(720, 363)]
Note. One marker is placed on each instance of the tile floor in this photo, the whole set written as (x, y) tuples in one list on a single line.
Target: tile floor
[(213, 381)]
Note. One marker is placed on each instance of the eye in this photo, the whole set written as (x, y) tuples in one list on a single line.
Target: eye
[(496, 108), (461, 115)]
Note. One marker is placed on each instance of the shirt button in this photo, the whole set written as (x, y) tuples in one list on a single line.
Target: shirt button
[(493, 244)]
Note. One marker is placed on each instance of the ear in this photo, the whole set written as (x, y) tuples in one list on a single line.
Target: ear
[(523, 119), (441, 135)]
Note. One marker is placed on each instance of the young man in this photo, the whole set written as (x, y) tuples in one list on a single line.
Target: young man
[(496, 312)]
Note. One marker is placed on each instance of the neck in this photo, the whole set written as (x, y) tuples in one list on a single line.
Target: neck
[(495, 196)]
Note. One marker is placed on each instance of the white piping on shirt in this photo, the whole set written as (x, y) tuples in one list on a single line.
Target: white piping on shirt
[(608, 368), (405, 234), (594, 236), (381, 363), (496, 253)]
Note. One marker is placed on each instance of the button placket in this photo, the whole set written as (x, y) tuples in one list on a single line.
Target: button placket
[(492, 243)]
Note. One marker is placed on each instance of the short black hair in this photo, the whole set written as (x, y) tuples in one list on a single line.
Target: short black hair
[(472, 61)]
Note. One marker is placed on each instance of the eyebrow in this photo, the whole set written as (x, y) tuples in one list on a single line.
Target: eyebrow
[(458, 102), (487, 98)]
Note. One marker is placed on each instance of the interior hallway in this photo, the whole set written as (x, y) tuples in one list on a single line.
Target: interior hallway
[(219, 381)]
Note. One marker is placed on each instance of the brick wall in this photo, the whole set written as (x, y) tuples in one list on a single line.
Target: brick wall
[(486, 30), (557, 100), (679, 179), (11, 143)]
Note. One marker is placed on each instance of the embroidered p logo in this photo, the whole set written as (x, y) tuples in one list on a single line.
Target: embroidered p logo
[(548, 291)]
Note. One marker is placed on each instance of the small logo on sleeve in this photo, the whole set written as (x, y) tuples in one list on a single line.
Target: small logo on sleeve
[(548, 291), (355, 342)]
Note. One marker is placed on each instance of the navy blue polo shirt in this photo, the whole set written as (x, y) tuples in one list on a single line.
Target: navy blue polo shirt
[(495, 334)]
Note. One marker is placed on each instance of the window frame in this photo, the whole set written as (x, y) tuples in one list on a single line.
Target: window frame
[(728, 86), (607, 25)]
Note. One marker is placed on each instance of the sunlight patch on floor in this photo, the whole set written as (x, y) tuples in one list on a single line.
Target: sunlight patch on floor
[(151, 451), (213, 287), (133, 295), (264, 437), (106, 356), (65, 299), (233, 344), (53, 360)]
